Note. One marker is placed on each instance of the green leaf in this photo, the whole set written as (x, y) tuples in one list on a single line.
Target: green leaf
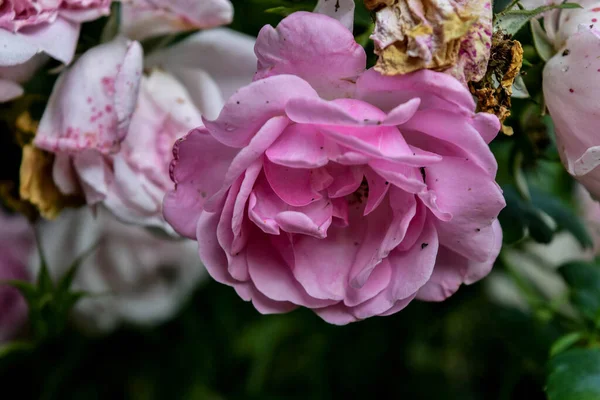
[(512, 21), (574, 375), (44, 281), (15, 346), (519, 89), (520, 217), (363, 38), (564, 216), (285, 11), (111, 29), (512, 216), (67, 279), (541, 41), (565, 342), (27, 289), (584, 281)]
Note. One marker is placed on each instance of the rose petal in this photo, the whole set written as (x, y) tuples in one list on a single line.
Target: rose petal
[(252, 106), (196, 153), (299, 146), (330, 66), (452, 269), (474, 202), (97, 114)]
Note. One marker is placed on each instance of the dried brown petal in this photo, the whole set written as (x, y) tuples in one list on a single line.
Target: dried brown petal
[(494, 91), (435, 34), (375, 4), (37, 186)]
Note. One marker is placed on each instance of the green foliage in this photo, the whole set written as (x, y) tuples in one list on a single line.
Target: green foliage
[(220, 347), (511, 21), (542, 44), (584, 282), (575, 375), (565, 342), (49, 303)]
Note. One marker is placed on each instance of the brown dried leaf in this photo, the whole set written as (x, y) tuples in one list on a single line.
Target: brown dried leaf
[(494, 91)]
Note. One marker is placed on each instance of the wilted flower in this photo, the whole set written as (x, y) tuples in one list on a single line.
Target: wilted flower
[(130, 276), (571, 83), (141, 19), (16, 245), (446, 35), (351, 207), (118, 156)]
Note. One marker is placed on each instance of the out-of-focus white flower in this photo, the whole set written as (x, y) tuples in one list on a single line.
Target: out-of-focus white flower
[(133, 276)]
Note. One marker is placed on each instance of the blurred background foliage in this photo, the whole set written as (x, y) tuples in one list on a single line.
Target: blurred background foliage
[(471, 347)]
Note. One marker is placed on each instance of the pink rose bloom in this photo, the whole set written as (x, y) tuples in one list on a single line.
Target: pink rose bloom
[(115, 143), (132, 276), (571, 86), (326, 186), (16, 245), (28, 27), (141, 19)]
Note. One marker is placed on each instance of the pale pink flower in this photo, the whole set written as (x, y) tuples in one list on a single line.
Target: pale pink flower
[(13, 76), (342, 10), (115, 143), (326, 186), (131, 275), (29, 27), (571, 84), (141, 19), (16, 245)]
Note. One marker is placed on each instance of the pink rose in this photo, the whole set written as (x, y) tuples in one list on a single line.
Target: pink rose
[(28, 27), (115, 143), (326, 186), (132, 276), (571, 84), (16, 245), (141, 19)]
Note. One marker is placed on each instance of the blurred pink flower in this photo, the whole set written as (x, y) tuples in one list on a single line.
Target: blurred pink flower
[(141, 19), (330, 187), (16, 245), (571, 83), (115, 143), (28, 27)]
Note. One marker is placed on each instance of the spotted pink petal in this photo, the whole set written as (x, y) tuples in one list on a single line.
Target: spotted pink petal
[(97, 114)]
